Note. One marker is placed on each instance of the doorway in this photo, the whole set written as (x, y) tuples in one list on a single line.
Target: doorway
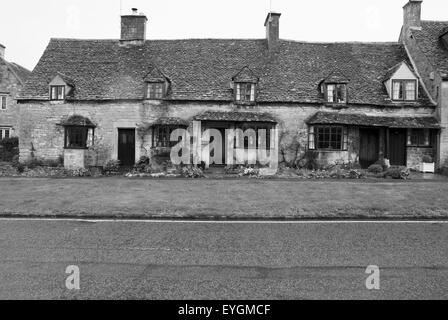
[(369, 147), (126, 147), (397, 147)]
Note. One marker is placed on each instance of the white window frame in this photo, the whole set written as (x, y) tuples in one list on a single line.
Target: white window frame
[(3, 132), (3, 97)]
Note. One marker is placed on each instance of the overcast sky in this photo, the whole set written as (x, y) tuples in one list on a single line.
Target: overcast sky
[(26, 26)]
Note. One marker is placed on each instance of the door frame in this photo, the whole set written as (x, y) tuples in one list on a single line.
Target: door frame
[(125, 125), (135, 141)]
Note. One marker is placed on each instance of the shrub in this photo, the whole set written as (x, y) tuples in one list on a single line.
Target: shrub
[(9, 148), (383, 163), (192, 172), (112, 167), (311, 157), (397, 172), (375, 168), (427, 159), (143, 165)]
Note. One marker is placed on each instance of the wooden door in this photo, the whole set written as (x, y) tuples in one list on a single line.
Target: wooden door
[(368, 147), (397, 147), (126, 146)]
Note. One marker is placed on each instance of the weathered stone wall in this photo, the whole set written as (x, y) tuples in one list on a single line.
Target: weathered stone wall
[(9, 86), (437, 89), (42, 136), (415, 156)]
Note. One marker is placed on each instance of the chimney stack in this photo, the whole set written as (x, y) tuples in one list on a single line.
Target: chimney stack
[(412, 13), (133, 28), (2, 51), (272, 25)]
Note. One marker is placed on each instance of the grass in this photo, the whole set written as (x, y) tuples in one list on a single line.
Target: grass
[(222, 199)]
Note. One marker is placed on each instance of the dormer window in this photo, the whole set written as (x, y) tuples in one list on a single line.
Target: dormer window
[(157, 84), (57, 93), (336, 93), (155, 91), (404, 90), (245, 86), (245, 92)]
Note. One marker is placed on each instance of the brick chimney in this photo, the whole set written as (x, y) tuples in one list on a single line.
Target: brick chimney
[(272, 25), (412, 14), (2, 51), (133, 27)]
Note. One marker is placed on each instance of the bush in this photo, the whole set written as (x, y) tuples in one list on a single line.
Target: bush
[(112, 167), (375, 168), (9, 148), (311, 157), (192, 172), (382, 162), (427, 159), (143, 165), (397, 172)]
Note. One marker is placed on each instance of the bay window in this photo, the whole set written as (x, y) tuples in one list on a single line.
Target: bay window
[(333, 138)]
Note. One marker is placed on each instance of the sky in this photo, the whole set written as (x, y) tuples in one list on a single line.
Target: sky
[(26, 26)]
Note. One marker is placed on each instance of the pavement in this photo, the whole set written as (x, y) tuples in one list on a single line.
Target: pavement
[(222, 260)]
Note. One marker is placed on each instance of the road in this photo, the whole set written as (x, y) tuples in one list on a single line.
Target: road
[(165, 260)]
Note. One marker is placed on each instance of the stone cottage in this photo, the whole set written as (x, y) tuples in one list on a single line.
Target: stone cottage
[(95, 100), (12, 79)]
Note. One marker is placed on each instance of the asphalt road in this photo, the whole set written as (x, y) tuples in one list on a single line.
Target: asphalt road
[(161, 260)]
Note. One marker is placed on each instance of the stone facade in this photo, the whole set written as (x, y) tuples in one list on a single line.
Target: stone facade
[(10, 85), (43, 136)]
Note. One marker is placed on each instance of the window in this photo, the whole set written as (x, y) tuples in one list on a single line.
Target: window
[(404, 90), (57, 92), (245, 92), (3, 102), (155, 91), (161, 135), (336, 93), (327, 138), (5, 133), (419, 137), (78, 137), (262, 140)]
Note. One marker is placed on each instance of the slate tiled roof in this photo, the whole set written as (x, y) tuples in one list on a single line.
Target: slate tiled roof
[(201, 69), (235, 116), (21, 72), (359, 119), (429, 43)]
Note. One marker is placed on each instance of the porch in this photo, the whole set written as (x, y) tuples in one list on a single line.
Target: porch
[(401, 140)]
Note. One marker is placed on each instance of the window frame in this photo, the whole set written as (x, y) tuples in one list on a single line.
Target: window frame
[(256, 127), (250, 95), (3, 131), (152, 94), (3, 102), (335, 92), (167, 130), (57, 87), (86, 133), (314, 137), (423, 141), (403, 83)]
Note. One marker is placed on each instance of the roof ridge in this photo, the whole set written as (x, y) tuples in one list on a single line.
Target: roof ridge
[(343, 42)]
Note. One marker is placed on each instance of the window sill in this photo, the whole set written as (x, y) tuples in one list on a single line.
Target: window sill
[(76, 148)]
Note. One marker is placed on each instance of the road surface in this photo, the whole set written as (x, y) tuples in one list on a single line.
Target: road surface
[(184, 260)]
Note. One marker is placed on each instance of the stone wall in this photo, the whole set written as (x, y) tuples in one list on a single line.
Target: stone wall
[(9, 86), (43, 136), (415, 156)]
